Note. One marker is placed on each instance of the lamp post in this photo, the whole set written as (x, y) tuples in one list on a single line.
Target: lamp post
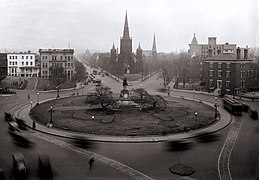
[(31, 104), (82, 89), (196, 117), (51, 110), (253, 96), (57, 92), (92, 117), (193, 94), (38, 97), (216, 106)]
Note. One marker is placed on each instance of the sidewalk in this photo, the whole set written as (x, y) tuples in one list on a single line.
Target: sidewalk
[(78, 86), (22, 112)]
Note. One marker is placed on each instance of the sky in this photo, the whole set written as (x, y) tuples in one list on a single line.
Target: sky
[(96, 24)]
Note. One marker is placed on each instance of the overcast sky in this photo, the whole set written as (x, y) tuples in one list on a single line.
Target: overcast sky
[(96, 24)]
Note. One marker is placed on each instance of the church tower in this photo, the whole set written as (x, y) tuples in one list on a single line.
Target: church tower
[(154, 53), (126, 59), (113, 56), (139, 56)]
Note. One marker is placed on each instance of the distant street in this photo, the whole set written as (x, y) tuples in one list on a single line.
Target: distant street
[(152, 159)]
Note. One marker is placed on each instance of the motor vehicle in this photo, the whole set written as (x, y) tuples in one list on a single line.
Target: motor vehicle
[(97, 81), (44, 165), (19, 164), (2, 176)]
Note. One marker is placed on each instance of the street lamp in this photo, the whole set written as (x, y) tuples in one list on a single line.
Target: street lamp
[(196, 117), (92, 117), (51, 110), (253, 96), (38, 96), (57, 92), (31, 104), (193, 94), (216, 106), (82, 88)]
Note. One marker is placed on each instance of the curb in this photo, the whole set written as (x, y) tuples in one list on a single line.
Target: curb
[(125, 139)]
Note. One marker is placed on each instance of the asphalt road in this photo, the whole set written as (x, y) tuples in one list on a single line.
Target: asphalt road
[(152, 159), (66, 163)]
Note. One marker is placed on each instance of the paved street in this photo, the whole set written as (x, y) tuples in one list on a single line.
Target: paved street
[(151, 159)]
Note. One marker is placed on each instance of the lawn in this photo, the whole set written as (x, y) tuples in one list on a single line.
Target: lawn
[(45, 84), (12, 82), (74, 114)]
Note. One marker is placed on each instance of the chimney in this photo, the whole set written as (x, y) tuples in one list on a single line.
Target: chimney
[(246, 53), (238, 53)]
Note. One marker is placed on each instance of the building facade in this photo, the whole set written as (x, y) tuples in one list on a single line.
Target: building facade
[(229, 72), (22, 64), (210, 49), (51, 58), (3, 65)]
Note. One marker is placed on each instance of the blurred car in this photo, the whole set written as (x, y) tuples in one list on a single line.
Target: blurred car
[(19, 164), (2, 176), (179, 145), (82, 142), (44, 165), (97, 81)]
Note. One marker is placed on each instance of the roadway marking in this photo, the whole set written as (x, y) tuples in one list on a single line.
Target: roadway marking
[(105, 160), (225, 154)]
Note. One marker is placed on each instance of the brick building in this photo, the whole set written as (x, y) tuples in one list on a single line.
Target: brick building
[(228, 71), (3, 65), (50, 58)]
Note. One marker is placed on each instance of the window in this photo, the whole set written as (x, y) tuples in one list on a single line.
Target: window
[(241, 74), (71, 57), (31, 57), (15, 62), (68, 58), (10, 57), (22, 63), (61, 57), (211, 83), (227, 74), (31, 63), (219, 65), (10, 63), (26, 57), (26, 63), (211, 72), (219, 73), (227, 84), (22, 57), (15, 57), (228, 65), (65, 57), (211, 64)]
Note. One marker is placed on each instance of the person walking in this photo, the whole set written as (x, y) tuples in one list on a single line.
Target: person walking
[(33, 125), (28, 96), (91, 163)]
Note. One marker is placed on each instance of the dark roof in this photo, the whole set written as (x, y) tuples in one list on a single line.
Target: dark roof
[(223, 56)]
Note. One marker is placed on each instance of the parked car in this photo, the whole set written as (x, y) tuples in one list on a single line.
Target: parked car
[(19, 165), (44, 165)]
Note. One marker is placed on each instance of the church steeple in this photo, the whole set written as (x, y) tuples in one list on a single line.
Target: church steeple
[(154, 47), (154, 44), (126, 27)]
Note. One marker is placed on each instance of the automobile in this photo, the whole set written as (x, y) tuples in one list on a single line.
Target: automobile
[(2, 176), (19, 164), (97, 81), (44, 165)]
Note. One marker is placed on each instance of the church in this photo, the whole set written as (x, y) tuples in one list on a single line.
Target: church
[(126, 61)]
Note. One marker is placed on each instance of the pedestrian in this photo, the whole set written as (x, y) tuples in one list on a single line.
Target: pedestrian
[(91, 163), (28, 96), (168, 90), (33, 125)]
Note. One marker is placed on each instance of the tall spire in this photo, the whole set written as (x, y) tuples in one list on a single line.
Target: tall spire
[(113, 47), (154, 44), (126, 27), (139, 46)]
